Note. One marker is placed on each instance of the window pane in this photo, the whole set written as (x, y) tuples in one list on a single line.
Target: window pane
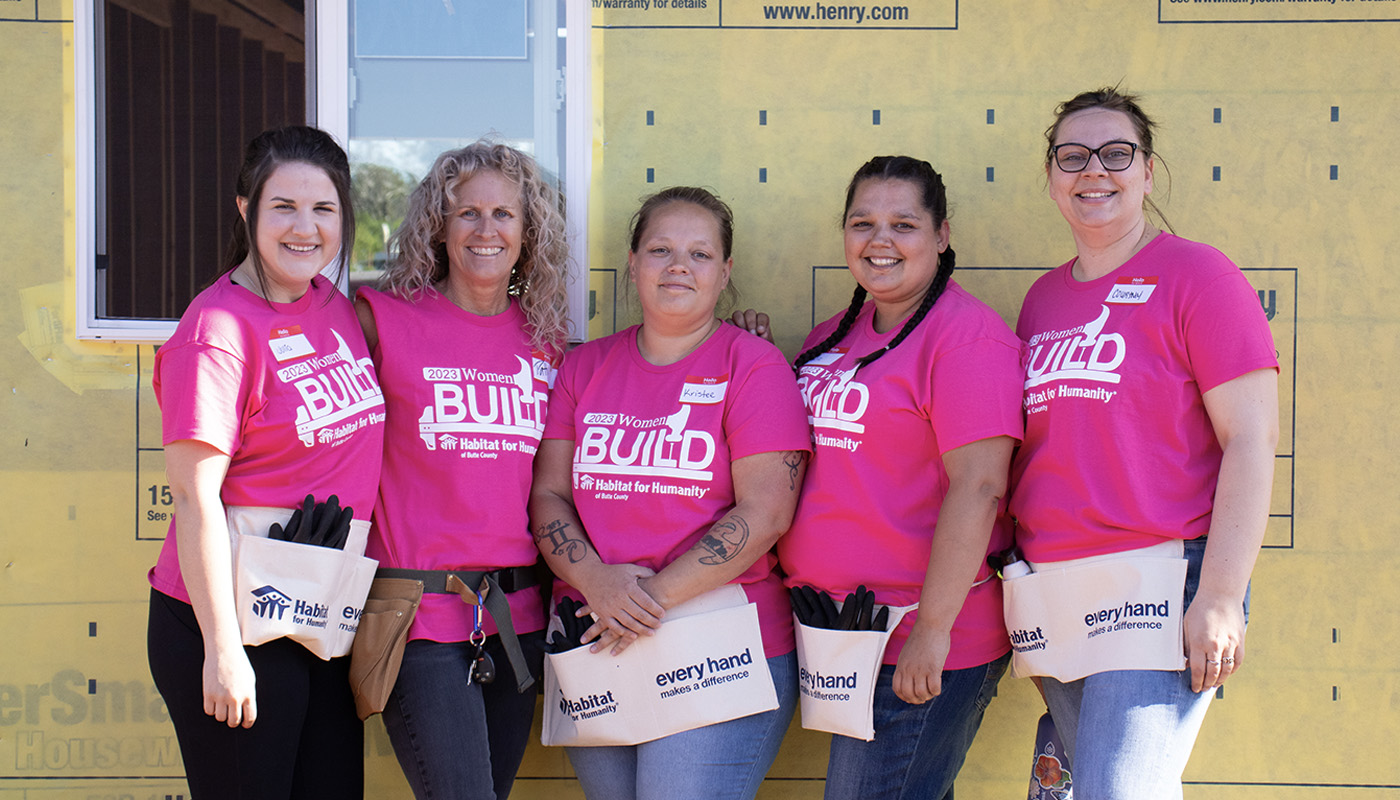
[(428, 77), (183, 85)]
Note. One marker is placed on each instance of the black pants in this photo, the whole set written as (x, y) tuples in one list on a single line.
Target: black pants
[(307, 741)]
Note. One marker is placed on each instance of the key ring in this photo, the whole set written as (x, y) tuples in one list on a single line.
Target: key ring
[(477, 635)]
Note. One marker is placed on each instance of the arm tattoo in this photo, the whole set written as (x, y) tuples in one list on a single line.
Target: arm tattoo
[(724, 541), (794, 459), (560, 542)]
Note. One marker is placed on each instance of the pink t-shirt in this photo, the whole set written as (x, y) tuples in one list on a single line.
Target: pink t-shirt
[(1119, 452), (875, 486), (653, 446), (466, 398), (287, 390)]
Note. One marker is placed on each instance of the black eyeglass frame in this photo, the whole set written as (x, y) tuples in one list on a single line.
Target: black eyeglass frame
[(1093, 151)]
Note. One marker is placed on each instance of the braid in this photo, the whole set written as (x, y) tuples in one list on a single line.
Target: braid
[(843, 328), (934, 199), (935, 290)]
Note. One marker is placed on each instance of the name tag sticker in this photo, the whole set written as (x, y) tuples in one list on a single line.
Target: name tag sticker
[(829, 357), (704, 391), (287, 343), (1131, 291), (543, 368)]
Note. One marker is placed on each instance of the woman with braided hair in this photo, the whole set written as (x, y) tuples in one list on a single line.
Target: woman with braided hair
[(914, 396)]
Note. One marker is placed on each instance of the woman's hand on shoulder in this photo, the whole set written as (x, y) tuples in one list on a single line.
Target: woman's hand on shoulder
[(755, 322), (918, 674), (622, 609), (230, 694)]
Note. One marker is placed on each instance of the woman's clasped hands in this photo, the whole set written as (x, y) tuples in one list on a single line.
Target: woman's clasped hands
[(620, 605)]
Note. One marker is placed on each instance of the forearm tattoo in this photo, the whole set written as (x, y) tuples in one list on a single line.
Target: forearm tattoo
[(724, 541), (556, 536), (793, 460)]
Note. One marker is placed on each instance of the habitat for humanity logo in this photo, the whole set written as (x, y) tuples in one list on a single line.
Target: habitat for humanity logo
[(1025, 640), (271, 603), (588, 706)]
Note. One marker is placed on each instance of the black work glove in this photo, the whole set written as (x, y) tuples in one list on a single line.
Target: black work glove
[(813, 608), (862, 616), (574, 627), (318, 524), (800, 607), (816, 609), (882, 620)]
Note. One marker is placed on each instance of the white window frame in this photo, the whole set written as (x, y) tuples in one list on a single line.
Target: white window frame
[(86, 118), (331, 92)]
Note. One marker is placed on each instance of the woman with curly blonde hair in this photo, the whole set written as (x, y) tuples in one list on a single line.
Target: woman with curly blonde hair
[(466, 330), (537, 278)]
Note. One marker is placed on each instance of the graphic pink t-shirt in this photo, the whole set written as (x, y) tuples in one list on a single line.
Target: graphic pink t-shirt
[(1119, 453), (287, 390), (875, 486), (466, 398), (653, 447)]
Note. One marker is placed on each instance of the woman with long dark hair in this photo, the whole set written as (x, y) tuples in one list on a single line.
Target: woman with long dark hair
[(913, 393), (267, 394)]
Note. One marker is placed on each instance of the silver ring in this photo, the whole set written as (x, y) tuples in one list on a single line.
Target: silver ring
[(1208, 661), (1228, 660)]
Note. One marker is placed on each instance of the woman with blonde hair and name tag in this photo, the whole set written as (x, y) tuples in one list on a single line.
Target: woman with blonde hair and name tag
[(466, 331)]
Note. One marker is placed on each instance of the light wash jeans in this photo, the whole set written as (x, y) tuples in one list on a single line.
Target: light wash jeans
[(724, 760), (1129, 733), (918, 749)]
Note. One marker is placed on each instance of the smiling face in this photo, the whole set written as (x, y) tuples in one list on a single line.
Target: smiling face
[(298, 228), (892, 245), (1098, 202), (679, 265), (484, 231)]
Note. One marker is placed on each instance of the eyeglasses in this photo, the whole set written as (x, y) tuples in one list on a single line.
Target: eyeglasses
[(1114, 156)]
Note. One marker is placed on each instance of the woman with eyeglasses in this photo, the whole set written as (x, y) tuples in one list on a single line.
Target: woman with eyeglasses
[(1151, 423)]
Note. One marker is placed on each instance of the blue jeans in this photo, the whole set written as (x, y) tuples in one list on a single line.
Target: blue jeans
[(724, 760), (1129, 733), (918, 749), (455, 740)]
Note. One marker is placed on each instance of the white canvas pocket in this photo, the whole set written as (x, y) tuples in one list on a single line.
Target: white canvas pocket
[(704, 665), (1069, 619)]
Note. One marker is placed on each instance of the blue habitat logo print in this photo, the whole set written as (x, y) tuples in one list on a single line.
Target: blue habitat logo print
[(270, 602)]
